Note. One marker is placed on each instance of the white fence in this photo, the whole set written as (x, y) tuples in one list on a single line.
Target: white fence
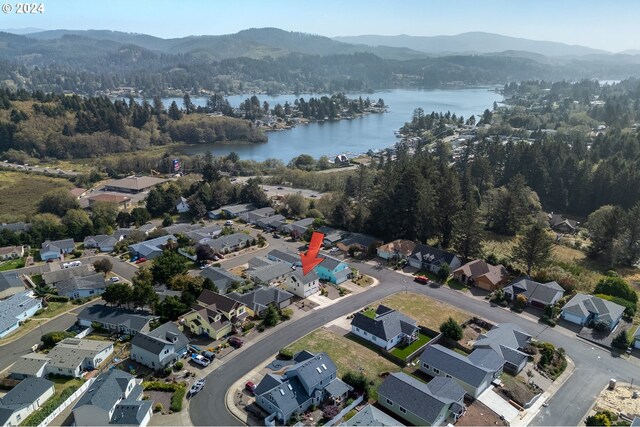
[(344, 412), (66, 403)]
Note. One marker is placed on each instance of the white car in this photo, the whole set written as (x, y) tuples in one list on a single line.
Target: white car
[(200, 360), (334, 249), (228, 222), (115, 279), (197, 386)]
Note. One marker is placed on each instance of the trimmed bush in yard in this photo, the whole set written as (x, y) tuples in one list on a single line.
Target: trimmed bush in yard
[(178, 390)]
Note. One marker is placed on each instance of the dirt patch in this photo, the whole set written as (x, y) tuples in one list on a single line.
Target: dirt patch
[(516, 390), (426, 311), (619, 401), (479, 414)]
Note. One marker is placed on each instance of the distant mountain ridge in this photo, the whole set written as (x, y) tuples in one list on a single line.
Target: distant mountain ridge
[(472, 43)]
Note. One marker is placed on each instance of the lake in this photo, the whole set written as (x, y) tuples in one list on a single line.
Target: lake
[(373, 131)]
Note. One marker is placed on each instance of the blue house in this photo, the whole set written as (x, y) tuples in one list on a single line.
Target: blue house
[(583, 309), (333, 270), (56, 249)]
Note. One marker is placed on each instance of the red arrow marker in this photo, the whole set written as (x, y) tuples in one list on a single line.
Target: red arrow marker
[(310, 259)]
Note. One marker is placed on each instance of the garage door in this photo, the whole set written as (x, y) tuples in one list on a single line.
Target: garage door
[(572, 318), (537, 304)]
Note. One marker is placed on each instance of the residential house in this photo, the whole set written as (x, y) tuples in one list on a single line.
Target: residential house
[(333, 270), (10, 283), (231, 211), (115, 319), (436, 403), (474, 373), (208, 232), (432, 259), (214, 315), (259, 299), (24, 399), (538, 294), (290, 258), (82, 287), (302, 285), (159, 348), (229, 243), (299, 387), (56, 249), (124, 233), (72, 356), (133, 184), (370, 416), (114, 398), (362, 242), (221, 278), (30, 365), (182, 206), (636, 338), (398, 249), (560, 224), (298, 228), (270, 273), (16, 227), (146, 228), (102, 242), (274, 222), (583, 309), (482, 275), (180, 228), (509, 341), (150, 249), (331, 236), (53, 277), (257, 214), (11, 252), (387, 328), (16, 309), (122, 202)]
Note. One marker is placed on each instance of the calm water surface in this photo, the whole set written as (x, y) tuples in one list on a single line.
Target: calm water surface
[(374, 131)]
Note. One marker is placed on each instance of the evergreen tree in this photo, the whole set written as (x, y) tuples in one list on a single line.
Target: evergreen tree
[(467, 231), (533, 248)]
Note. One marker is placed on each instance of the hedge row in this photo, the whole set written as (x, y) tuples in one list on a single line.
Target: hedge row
[(50, 405)]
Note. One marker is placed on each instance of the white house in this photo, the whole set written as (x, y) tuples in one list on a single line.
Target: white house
[(72, 356), (302, 285), (159, 348), (386, 328), (23, 400), (17, 309), (182, 206), (583, 309)]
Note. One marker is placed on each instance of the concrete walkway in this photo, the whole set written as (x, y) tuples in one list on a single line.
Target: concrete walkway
[(497, 404)]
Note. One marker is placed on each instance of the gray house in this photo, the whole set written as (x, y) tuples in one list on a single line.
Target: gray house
[(221, 278), (159, 348), (102, 242), (255, 215), (229, 243), (51, 278), (436, 403), (432, 259), (285, 256), (115, 319), (372, 416), (538, 294), (473, 373), (274, 221), (297, 228), (150, 249), (508, 340), (300, 386), (268, 274), (114, 398), (10, 284), (82, 287), (56, 249), (259, 299), (387, 328), (24, 399), (72, 356), (16, 309), (582, 309)]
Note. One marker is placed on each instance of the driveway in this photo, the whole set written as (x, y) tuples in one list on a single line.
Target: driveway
[(498, 405)]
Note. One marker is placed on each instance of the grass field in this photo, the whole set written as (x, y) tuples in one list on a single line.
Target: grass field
[(11, 265), (348, 355), (402, 353), (426, 311), (21, 193), (53, 309)]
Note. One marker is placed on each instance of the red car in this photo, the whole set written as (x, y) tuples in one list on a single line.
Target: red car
[(235, 342), (422, 280), (140, 260), (250, 387)]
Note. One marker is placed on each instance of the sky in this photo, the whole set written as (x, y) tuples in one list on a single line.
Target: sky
[(598, 24)]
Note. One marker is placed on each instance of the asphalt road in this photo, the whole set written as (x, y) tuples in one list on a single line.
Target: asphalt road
[(594, 367), (10, 352)]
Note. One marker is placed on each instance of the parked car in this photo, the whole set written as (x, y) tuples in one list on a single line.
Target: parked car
[(208, 354), (115, 279), (235, 342), (250, 387), (197, 386), (334, 249), (422, 280), (276, 236), (135, 258), (140, 260), (228, 222), (200, 360), (280, 188)]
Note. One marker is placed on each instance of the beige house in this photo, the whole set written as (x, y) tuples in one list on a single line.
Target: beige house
[(482, 275), (11, 252), (214, 315)]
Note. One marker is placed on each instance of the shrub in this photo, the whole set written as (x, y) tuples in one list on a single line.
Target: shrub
[(57, 298), (178, 365), (629, 306), (451, 329), (549, 321), (286, 313), (50, 339), (260, 327), (158, 407), (599, 419), (177, 398), (616, 287), (622, 340), (600, 325), (358, 381), (285, 353), (248, 326)]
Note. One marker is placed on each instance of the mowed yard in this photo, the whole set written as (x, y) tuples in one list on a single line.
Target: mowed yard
[(21, 193), (426, 311)]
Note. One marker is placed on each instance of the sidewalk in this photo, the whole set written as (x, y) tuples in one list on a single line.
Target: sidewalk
[(530, 413)]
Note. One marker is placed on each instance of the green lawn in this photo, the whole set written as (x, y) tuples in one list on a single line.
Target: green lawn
[(347, 354), (12, 265), (53, 309), (426, 311), (37, 279), (402, 353), (370, 313), (455, 285), (364, 281)]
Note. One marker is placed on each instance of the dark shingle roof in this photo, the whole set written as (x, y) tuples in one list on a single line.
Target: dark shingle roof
[(25, 393), (418, 398), (387, 323), (114, 316), (91, 282), (330, 263), (220, 277), (155, 341), (106, 390), (130, 412), (545, 292), (373, 417), (221, 302), (582, 305), (284, 256), (260, 298), (10, 279), (431, 255), (470, 370)]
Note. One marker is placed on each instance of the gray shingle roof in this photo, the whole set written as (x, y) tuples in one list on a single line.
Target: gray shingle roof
[(91, 282), (100, 240), (418, 397), (472, 371), (505, 339), (53, 277), (113, 316), (359, 239), (545, 292), (64, 244), (220, 277), (237, 209), (149, 246), (131, 413), (582, 305), (29, 364), (25, 393), (271, 272), (10, 279), (15, 306), (330, 263), (106, 390), (431, 255), (260, 298), (285, 256), (16, 226), (304, 278), (387, 324), (373, 417), (72, 352), (229, 241), (337, 388), (156, 340)]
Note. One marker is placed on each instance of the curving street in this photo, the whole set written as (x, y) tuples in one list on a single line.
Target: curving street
[(594, 366)]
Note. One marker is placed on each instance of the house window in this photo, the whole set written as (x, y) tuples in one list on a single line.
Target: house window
[(18, 417), (448, 376), (425, 366), (404, 411), (437, 371), (389, 402)]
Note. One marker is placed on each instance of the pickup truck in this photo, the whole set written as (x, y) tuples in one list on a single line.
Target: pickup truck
[(200, 360)]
